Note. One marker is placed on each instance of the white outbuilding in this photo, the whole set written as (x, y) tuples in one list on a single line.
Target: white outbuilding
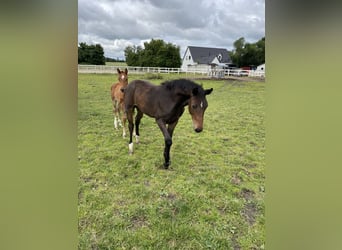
[(204, 59)]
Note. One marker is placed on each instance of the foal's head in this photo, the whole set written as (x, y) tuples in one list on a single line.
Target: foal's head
[(122, 76), (197, 105)]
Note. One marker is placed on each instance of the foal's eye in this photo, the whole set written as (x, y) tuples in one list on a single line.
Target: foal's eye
[(194, 106)]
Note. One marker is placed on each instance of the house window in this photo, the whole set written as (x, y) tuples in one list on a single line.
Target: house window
[(189, 57), (219, 57)]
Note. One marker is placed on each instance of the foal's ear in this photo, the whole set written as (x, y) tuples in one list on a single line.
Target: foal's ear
[(126, 71), (208, 91), (118, 70)]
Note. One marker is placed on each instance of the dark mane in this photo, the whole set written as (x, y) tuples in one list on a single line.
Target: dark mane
[(184, 84)]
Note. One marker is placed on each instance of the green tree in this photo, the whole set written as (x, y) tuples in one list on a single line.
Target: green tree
[(156, 53), (83, 53), (98, 55), (261, 50), (236, 54), (91, 54), (245, 54), (132, 55)]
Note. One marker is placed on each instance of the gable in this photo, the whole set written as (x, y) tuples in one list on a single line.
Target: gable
[(187, 56), (187, 59), (216, 60), (204, 55)]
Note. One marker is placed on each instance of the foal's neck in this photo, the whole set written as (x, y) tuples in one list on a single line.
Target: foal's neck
[(182, 99), (124, 83)]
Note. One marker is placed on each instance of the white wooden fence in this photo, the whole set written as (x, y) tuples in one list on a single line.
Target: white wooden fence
[(100, 69), (216, 73)]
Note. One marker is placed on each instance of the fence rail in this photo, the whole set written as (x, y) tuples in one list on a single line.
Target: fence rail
[(218, 73)]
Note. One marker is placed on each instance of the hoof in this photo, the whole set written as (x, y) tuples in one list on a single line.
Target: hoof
[(167, 164), (130, 148)]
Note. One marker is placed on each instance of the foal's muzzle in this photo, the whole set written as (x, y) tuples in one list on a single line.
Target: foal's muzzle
[(197, 130)]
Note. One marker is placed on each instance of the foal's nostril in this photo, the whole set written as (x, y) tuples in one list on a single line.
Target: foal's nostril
[(198, 130)]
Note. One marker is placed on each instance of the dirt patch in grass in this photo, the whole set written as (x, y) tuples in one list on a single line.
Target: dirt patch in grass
[(236, 245), (247, 194), (236, 180), (138, 222), (251, 165), (171, 196), (249, 213)]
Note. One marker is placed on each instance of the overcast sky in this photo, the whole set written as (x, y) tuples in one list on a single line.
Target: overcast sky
[(116, 24)]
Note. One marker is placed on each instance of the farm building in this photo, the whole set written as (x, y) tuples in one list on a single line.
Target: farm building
[(261, 67), (205, 59)]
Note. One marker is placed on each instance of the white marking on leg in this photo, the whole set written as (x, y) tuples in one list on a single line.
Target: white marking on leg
[(123, 132), (201, 105), (137, 138), (115, 123), (130, 148)]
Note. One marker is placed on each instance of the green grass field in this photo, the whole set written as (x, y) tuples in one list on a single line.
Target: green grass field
[(120, 64), (212, 197)]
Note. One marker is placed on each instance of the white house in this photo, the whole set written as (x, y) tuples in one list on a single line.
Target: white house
[(261, 67), (204, 59), (259, 71)]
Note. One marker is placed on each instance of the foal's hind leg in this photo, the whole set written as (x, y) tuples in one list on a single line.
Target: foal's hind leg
[(129, 115), (119, 116), (137, 123), (123, 118)]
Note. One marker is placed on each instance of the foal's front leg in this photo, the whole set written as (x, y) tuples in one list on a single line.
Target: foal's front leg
[(115, 114), (168, 142)]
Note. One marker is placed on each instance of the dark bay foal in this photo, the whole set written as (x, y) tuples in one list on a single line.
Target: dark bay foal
[(166, 104)]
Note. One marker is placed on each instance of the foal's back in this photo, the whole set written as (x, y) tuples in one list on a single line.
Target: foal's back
[(139, 90), (154, 100), (143, 95)]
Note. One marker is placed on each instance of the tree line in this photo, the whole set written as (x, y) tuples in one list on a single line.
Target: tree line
[(158, 53), (91, 54), (155, 53), (108, 59), (247, 54)]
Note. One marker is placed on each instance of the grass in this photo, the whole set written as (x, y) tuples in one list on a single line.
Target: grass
[(120, 64), (212, 197)]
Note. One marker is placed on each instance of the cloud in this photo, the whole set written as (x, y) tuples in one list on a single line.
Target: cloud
[(115, 24)]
